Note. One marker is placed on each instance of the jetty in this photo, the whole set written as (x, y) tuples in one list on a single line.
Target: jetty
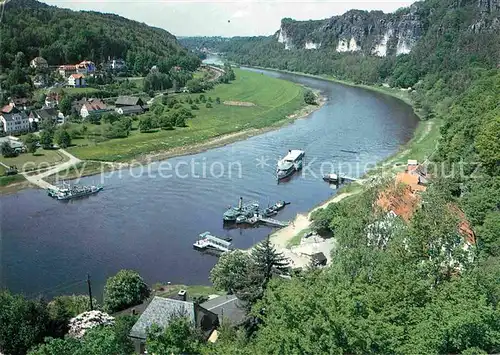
[(208, 241), (273, 222)]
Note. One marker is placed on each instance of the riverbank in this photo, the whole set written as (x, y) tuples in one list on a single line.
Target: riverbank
[(424, 141), (279, 104), (422, 145)]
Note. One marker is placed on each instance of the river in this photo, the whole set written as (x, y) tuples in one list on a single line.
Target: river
[(148, 223)]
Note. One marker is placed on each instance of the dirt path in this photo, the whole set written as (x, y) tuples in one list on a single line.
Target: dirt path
[(38, 179)]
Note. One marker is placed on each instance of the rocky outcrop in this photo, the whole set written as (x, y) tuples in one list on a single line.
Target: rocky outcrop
[(370, 32)]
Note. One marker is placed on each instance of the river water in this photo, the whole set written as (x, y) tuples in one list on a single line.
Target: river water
[(148, 223)]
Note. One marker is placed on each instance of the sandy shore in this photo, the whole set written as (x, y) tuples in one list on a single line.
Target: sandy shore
[(299, 255)]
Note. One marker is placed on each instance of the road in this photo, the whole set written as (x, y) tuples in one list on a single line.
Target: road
[(38, 179)]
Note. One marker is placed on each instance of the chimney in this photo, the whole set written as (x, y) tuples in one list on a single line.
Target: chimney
[(240, 204), (182, 295)]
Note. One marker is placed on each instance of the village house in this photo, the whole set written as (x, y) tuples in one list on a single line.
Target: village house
[(66, 70), (14, 143), (123, 101), (92, 106), (14, 121), (46, 113), (129, 110), (117, 64), (21, 103), (52, 99), (39, 63), (161, 311), (76, 80)]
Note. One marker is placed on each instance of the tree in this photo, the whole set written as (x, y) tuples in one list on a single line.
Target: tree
[(309, 97), (8, 151), (97, 341), (110, 117), (194, 85), (46, 139), (62, 138), (179, 337), (230, 274), (125, 289), (62, 308), (167, 122), (31, 141), (146, 124), (267, 260), (23, 323), (208, 105), (217, 100), (65, 105), (93, 118)]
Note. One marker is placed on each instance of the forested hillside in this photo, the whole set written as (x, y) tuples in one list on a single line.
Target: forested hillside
[(63, 36)]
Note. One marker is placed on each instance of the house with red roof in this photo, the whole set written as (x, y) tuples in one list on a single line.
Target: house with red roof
[(95, 106)]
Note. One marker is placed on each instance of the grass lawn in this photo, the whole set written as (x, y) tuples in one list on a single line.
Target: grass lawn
[(274, 100), (42, 158), (297, 238), (72, 91), (11, 179)]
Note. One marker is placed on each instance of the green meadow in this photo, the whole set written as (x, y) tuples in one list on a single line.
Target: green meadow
[(273, 100)]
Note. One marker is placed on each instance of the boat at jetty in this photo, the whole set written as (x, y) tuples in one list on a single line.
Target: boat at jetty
[(68, 192), (333, 178), (291, 163), (274, 209), (246, 210), (208, 241)]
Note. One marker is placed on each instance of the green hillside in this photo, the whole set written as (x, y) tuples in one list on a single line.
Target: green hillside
[(66, 36)]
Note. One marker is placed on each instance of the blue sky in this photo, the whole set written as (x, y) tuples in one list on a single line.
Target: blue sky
[(225, 18)]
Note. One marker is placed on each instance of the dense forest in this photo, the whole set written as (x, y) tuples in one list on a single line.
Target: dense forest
[(63, 36)]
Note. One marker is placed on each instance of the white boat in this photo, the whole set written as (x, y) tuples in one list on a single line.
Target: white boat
[(208, 241), (290, 163)]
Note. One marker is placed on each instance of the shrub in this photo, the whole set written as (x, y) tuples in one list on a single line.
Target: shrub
[(208, 105), (125, 289)]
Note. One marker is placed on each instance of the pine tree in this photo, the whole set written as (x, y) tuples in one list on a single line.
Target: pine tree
[(267, 260)]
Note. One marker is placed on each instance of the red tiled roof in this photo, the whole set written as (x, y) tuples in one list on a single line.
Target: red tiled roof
[(68, 67), (77, 76), (7, 108), (403, 202)]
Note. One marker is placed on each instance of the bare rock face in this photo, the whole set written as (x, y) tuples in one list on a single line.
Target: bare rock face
[(356, 31), (380, 34), (88, 320)]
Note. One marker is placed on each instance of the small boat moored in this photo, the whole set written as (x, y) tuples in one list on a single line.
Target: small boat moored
[(274, 209)]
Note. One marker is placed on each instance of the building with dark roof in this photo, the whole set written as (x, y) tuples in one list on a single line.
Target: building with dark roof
[(129, 110), (227, 307), (128, 101), (319, 259), (47, 113), (161, 311)]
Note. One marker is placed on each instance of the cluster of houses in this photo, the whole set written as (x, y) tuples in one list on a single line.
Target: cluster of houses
[(124, 105), (75, 74), (16, 119)]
